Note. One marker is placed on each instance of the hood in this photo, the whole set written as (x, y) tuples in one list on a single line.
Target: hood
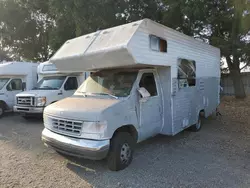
[(80, 108), (36, 93)]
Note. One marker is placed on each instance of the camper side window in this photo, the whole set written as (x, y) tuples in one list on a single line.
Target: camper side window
[(186, 73), (158, 44), (15, 85)]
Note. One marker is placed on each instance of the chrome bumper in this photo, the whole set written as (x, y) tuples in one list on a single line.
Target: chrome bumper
[(89, 149), (28, 110)]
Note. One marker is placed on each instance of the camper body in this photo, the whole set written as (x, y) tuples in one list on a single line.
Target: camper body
[(51, 87), (15, 77), (148, 80)]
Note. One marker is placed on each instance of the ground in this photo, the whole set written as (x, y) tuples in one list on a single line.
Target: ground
[(217, 156)]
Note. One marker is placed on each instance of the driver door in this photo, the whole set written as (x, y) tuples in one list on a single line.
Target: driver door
[(14, 87), (151, 109)]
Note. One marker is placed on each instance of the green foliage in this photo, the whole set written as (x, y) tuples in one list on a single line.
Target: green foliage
[(77, 17), (24, 29), (222, 23)]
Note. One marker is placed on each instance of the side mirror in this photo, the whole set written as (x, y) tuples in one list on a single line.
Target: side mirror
[(143, 92)]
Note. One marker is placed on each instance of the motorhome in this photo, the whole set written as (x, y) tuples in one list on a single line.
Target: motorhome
[(51, 87), (15, 77), (147, 79)]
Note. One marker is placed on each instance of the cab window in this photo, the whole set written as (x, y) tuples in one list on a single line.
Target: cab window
[(148, 82), (71, 84), (14, 85)]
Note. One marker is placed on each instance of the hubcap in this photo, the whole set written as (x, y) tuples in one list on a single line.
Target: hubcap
[(125, 153)]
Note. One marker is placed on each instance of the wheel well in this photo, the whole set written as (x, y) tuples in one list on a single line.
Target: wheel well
[(202, 113), (4, 105), (128, 128)]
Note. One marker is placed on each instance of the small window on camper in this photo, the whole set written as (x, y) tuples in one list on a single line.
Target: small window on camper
[(14, 85), (50, 67), (158, 44), (186, 73)]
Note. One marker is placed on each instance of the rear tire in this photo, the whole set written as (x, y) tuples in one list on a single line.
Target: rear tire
[(196, 127), (121, 151), (1, 110)]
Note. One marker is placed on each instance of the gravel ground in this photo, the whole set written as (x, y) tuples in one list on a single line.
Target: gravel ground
[(217, 156)]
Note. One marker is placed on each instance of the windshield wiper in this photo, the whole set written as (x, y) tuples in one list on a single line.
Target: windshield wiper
[(106, 94)]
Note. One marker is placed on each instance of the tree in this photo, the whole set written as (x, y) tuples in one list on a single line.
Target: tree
[(24, 29), (229, 23), (222, 23), (78, 17), (4, 56), (35, 29)]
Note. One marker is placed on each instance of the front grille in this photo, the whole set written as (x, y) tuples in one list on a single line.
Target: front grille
[(26, 101), (70, 127)]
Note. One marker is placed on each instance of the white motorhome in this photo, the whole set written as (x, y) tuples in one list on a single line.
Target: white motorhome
[(148, 80), (15, 77), (52, 86)]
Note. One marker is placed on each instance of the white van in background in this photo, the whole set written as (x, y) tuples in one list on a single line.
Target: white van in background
[(15, 77), (52, 86)]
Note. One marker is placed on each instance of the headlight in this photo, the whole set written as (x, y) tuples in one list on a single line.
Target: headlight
[(41, 101), (94, 130)]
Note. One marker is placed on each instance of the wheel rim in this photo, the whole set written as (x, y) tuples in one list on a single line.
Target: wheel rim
[(125, 153)]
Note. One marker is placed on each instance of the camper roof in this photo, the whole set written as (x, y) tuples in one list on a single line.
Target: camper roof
[(126, 45), (16, 68)]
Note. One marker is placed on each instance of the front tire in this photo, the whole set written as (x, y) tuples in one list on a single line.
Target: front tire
[(1, 110), (121, 151)]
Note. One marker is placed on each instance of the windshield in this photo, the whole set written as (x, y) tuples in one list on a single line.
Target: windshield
[(3, 81), (50, 83), (112, 83)]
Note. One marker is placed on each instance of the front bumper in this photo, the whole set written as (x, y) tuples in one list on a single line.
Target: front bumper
[(28, 110), (89, 149)]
